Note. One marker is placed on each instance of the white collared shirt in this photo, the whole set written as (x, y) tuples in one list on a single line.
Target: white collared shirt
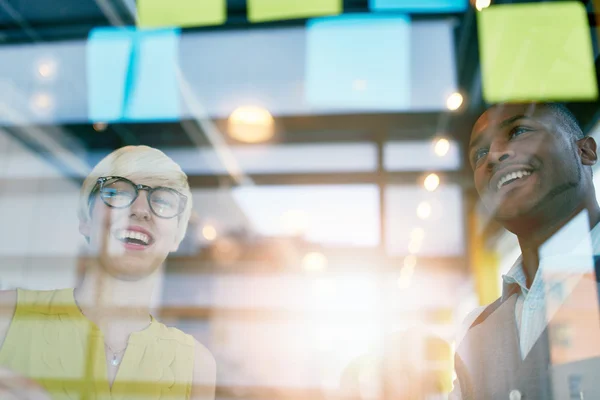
[(564, 260)]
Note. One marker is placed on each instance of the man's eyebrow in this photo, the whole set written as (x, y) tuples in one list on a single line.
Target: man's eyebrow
[(501, 125), (510, 120)]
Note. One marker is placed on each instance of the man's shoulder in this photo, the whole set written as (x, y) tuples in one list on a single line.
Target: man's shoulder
[(468, 322)]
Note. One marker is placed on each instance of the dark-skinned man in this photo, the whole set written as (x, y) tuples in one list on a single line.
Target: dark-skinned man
[(533, 172)]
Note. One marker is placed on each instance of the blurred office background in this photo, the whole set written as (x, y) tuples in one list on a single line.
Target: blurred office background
[(335, 218)]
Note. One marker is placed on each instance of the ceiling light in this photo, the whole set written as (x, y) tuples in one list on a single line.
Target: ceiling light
[(251, 124), (481, 4), (441, 147), (431, 182), (454, 101), (42, 103), (209, 232), (46, 69), (100, 126)]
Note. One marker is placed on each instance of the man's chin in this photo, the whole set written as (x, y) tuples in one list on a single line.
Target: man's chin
[(509, 212)]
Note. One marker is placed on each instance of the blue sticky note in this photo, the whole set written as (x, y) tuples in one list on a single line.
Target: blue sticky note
[(358, 62), (419, 6), (132, 74)]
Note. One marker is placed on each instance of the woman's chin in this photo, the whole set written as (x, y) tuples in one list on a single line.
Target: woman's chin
[(129, 268)]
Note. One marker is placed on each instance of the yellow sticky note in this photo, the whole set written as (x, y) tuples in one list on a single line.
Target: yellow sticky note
[(181, 13), (597, 17), (536, 52), (271, 10)]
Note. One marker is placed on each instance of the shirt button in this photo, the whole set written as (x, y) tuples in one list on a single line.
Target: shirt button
[(532, 306), (515, 395)]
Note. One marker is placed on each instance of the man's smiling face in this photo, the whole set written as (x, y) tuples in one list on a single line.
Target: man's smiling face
[(524, 159)]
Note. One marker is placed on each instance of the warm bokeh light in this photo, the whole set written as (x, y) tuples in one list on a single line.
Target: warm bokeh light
[(314, 262), (209, 232), (226, 251), (454, 101), (432, 181), (410, 261), (251, 124), (442, 146), (416, 240), (295, 222), (481, 4), (414, 246), (418, 234), (46, 69), (100, 126), (424, 210), (42, 102), (405, 279)]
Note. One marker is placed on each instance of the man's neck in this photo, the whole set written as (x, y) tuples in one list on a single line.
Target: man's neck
[(531, 240)]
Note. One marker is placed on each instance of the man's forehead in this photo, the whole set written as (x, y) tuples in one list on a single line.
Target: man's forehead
[(497, 114)]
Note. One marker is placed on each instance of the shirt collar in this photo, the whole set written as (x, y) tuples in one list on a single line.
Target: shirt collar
[(561, 244)]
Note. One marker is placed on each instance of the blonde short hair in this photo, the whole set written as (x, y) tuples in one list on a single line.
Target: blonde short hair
[(139, 163)]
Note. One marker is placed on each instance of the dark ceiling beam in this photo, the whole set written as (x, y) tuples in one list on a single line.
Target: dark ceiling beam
[(49, 185)]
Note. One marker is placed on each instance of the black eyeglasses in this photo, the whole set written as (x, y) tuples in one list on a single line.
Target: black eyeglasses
[(119, 192)]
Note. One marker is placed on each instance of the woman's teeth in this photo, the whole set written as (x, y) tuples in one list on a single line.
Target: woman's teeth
[(142, 237)]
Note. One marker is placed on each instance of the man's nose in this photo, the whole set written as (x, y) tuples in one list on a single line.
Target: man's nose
[(498, 153)]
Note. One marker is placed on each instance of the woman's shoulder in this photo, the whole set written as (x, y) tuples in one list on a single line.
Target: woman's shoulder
[(8, 296), (8, 302), (174, 334), (200, 351)]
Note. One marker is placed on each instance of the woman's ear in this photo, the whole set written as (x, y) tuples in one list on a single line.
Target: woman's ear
[(587, 151), (175, 246), (85, 229)]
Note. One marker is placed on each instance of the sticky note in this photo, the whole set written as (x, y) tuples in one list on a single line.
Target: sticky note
[(271, 10), (132, 74), (181, 13), (419, 6), (536, 52), (358, 62), (596, 4)]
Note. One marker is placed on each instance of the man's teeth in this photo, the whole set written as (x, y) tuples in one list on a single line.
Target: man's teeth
[(133, 235), (511, 176)]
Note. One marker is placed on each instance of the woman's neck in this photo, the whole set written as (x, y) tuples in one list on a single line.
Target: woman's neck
[(115, 305)]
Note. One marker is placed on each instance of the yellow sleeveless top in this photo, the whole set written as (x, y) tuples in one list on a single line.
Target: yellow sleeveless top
[(52, 342)]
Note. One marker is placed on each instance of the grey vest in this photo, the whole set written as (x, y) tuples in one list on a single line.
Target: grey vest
[(488, 362)]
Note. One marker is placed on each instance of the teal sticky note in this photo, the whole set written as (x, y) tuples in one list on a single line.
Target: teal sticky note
[(271, 10), (358, 62), (132, 74), (536, 52)]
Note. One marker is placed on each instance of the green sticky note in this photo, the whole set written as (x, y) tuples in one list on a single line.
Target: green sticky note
[(271, 10), (182, 13), (536, 52)]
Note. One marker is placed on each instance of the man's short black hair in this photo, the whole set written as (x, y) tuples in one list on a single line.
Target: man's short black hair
[(567, 118)]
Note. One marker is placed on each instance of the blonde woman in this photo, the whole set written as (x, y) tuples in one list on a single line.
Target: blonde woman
[(99, 341)]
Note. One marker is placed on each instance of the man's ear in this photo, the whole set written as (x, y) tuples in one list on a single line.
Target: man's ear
[(587, 151)]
